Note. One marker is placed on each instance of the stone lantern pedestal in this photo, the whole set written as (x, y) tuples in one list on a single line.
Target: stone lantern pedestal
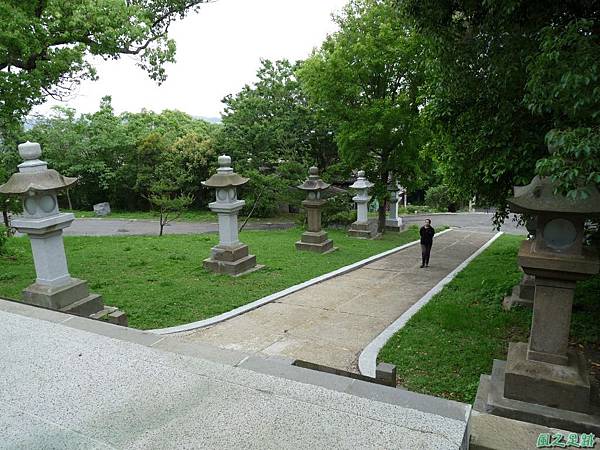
[(230, 256), (544, 381), (314, 239), (393, 222), (362, 228), (42, 221)]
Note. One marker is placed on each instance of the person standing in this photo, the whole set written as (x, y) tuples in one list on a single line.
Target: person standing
[(427, 232)]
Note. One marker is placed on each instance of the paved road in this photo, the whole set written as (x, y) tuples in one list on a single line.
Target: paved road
[(105, 227), (467, 221), (332, 322)]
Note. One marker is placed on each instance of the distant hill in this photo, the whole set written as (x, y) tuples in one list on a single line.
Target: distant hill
[(209, 119)]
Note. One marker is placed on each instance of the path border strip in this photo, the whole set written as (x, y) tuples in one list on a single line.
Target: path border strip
[(277, 295), (367, 360)]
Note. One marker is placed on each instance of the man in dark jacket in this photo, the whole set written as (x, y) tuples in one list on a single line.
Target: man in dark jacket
[(427, 232)]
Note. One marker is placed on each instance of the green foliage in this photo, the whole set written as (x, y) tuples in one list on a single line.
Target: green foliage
[(44, 45), (4, 236), (365, 79), (271, 121), (442, 198), (499, 77), (170, 204), (118, 158), (339, 210)]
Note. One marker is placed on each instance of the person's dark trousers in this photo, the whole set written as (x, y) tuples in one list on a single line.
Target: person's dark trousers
[(425, 252)]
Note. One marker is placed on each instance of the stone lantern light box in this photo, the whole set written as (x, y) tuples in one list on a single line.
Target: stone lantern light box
[(544, 381), (42, 221)]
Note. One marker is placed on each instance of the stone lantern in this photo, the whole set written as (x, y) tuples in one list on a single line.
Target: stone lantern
[(393, 222), (230, 256), (314, 239), (361, 228), (544, 381), (44, 223)]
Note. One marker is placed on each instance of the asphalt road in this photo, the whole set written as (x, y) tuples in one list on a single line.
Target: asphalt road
[(466, 221)]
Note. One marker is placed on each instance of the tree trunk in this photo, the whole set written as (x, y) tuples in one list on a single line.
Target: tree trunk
[(69, 200), (162, 223), (5, 217), (383, 179)]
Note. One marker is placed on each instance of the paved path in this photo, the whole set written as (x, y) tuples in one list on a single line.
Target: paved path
[(466, 221), (106, 227), (72, 383), (122, 227), (330, 323)]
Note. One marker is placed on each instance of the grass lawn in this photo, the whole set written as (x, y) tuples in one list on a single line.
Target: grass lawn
[(453, 339), (160, 282), (187, 216)]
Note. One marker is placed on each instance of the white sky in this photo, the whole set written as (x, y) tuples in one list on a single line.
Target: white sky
[(218, 51)]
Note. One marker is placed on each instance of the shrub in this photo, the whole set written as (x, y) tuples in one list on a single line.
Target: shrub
[(4, 235), (441, 197)]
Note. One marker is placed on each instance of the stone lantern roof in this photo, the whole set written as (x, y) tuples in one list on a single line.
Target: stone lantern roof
[(225, 176), (314, 182), (362, 182), (34, 175), (539, 197)]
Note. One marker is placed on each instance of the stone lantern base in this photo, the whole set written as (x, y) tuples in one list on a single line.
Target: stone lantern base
[(548, 394), (522, 294), (317, 242), (394, 224), (231, 260), (363, 230), (75, 298)]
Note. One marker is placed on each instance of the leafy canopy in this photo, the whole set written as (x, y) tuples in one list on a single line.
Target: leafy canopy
[(44, 44)]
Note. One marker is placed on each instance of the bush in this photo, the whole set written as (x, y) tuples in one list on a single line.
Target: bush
[(4, 236), (441, 197), (339, 210)]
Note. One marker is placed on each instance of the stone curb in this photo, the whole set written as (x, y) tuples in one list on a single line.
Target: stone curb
[(277, 295), (367, 361)]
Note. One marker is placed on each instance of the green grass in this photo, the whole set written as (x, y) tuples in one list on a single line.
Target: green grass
[(188, 216), (453, 339), (160, 282)]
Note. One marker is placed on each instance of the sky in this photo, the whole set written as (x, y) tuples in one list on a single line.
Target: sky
[(218, 52)]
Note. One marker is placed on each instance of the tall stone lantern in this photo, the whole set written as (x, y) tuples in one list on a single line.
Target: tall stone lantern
[(230, 256), (361, 228), (314, 239), (544, 381), (44, 223), (393, 222)]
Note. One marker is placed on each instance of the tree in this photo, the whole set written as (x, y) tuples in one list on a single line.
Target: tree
[(365, 78), (44, 44), (170, 205), (501, 76), (272, 121)]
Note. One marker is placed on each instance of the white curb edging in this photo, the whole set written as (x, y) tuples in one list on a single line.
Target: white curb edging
[(367, 361), (277, 295)]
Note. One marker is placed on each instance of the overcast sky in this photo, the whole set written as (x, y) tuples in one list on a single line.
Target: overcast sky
[(218, 51)]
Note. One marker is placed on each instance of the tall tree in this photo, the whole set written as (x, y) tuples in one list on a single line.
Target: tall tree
[(365, 78), (44, 44), (502, 75), (271, 121)]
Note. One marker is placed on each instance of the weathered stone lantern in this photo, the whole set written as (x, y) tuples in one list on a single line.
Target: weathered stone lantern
[(393, 222), (544, 381), (314, 239), (44, 223), (230, 256), (361, 228)]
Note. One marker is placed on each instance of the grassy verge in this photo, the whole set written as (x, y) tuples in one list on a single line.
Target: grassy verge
[(188, 216), (160, 282), (453, 339)]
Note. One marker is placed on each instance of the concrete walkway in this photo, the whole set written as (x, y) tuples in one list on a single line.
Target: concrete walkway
[(330, 323), (73, 383)]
